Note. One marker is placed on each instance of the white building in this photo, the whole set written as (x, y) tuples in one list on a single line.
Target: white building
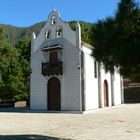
[(64, 74)]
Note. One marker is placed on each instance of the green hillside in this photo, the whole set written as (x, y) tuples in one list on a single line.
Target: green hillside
[(14, 34)]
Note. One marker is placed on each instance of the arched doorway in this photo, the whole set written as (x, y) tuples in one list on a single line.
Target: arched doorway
[(105, 93), (54, 94)]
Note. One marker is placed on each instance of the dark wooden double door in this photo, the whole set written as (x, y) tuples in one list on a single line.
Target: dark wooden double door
[(54, 94)]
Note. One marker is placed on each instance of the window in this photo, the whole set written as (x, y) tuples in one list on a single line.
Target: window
[(95, 69), (59, 32), (48, 34), (53, 20)]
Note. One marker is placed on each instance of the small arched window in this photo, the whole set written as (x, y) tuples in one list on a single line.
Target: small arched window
[(59, 32), (53, 20), (48, 34)]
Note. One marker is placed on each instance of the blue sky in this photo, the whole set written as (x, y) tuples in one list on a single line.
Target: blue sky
[(27, 12)]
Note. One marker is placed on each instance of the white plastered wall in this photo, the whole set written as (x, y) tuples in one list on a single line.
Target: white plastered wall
[(38, 84), (91, 83), (117, 88), (71, 78)]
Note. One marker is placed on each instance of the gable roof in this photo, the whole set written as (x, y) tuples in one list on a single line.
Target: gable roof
[(86, 45)]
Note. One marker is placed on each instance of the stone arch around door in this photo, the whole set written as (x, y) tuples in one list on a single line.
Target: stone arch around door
[(106, 102), (54, 94)]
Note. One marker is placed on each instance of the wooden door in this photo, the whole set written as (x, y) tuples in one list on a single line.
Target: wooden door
[(53, 58), (54, 95), (105, 93)]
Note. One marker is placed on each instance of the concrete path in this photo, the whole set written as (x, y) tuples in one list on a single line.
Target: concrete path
[(117, 123)]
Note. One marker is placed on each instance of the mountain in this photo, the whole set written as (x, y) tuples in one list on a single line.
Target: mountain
[(14, 34)]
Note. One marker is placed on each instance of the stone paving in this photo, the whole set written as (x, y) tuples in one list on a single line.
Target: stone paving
[(115, 123)]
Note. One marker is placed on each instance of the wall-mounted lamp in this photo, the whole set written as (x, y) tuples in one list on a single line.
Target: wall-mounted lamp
[(78, 66)]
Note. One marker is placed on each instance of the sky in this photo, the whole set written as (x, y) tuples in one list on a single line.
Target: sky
[(23, 13)]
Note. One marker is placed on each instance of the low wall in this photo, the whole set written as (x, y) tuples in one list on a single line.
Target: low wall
[(132, 95)]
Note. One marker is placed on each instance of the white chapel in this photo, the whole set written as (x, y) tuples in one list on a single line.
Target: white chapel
[(65, 77)]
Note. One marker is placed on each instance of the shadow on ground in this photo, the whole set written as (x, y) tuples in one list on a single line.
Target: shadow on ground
[(27, 110), (14, 110), (28, 137)]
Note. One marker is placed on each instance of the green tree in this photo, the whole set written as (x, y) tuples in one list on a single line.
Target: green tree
[(85, 30), (116, 40), (23, 47), (128, 24), (1, 35), (104, 43), (10, 70)]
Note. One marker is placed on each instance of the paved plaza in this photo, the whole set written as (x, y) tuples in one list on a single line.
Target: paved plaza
[(115, 123)]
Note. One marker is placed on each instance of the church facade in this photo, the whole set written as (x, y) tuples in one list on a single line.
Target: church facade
[(64, 75)]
